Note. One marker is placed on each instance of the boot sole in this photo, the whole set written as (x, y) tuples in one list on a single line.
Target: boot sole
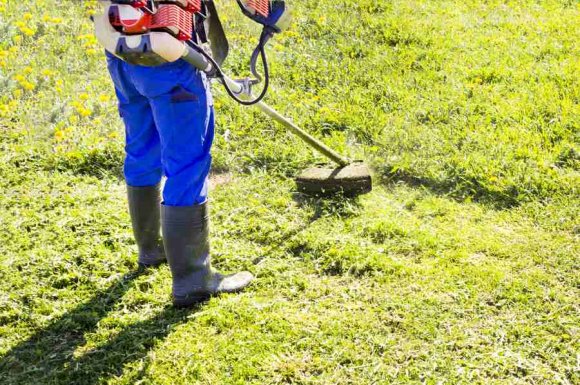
[(143, 265), (195, 299), (190, 300)]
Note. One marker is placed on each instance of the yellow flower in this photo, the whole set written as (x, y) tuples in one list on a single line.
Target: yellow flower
[(57, 20), (103, 98), (59, 135), (17, 39), (84, 112), (17, 93), (27, 85), (28, 70), (27, 16), (84, 96), (46, 18), (47, 73), (27, 31)]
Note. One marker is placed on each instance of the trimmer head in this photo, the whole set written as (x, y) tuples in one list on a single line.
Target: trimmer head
[(352, 180)]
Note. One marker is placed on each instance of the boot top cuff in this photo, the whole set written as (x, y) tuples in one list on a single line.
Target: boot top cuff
[(185, 214)]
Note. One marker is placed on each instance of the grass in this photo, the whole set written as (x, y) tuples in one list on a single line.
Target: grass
[(460, 268)]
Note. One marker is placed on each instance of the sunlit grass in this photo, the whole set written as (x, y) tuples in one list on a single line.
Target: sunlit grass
[(461, 266)]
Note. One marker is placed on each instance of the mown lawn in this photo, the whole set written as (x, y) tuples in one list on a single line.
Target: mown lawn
[(460, 268)]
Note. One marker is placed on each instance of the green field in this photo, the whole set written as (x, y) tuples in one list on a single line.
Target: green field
[(460, 268)]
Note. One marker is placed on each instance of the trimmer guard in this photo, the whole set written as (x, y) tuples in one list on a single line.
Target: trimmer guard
[(352, 180)]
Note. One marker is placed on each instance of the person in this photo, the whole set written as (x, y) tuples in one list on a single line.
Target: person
[(168, 115)]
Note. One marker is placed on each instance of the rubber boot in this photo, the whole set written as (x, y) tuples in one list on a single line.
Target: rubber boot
[(144, 208), (186, 240)]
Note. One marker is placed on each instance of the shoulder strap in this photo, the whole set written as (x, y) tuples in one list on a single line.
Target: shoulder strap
[(214, 33)]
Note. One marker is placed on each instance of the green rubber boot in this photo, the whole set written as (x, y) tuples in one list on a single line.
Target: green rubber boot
[(186, 240), (144, 208)]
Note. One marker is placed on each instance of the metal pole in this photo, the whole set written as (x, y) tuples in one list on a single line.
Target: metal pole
[(196, 59), (309, 139)]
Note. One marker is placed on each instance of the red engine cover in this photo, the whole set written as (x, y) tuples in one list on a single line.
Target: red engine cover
[(192, 6), (260, 6), (139, 3), (172, 16), (174, 20)]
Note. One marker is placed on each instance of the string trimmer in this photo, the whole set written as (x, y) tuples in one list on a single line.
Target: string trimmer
[(153, 32)]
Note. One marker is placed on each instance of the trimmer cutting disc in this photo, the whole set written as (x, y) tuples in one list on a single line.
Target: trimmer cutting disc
[(352, 180)]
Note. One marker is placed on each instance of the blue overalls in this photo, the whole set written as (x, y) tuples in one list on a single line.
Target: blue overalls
[(169, 127)]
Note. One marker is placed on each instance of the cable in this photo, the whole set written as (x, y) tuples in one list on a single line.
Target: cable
[(266, 34)]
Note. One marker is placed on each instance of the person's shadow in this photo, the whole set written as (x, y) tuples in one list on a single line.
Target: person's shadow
[(47, 357)]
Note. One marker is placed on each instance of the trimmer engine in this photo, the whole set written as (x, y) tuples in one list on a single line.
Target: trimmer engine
[(172, 16), (153, 32)]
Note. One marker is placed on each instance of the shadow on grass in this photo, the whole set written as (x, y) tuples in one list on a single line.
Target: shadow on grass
[(336, 205), (100, 163), (458, 188), (48, 356)]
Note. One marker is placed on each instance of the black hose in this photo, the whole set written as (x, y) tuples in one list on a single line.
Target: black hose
[(261, 50), (266, 35)]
